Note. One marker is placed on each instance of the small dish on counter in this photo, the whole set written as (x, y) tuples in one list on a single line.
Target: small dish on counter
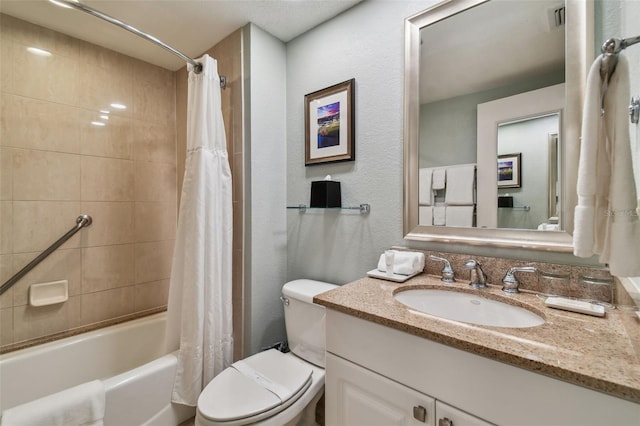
[(374, 273)]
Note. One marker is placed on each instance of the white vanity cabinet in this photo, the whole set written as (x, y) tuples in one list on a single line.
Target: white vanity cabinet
[(376, 375), (360, 397)]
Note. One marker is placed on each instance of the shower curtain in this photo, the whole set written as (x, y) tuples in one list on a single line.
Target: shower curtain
[(199, 308)]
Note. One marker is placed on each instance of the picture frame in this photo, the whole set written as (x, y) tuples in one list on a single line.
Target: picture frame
[(330, 124), (509, 170)]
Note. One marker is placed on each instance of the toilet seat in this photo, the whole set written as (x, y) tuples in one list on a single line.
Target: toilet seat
[(257, 387)]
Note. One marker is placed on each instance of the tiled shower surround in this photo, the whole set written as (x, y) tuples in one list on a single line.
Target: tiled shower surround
[(56, 165)]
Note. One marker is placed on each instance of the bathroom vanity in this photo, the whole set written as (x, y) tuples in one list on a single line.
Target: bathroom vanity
[(389, 364)]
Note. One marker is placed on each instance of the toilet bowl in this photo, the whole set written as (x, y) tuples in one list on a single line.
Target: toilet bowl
[(274, 388)]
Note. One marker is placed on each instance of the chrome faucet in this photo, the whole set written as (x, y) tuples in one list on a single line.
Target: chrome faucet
[(478, 279), (510, 281), (447, 270)]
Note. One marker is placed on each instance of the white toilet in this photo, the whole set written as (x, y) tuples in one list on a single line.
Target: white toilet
[(271, 387)]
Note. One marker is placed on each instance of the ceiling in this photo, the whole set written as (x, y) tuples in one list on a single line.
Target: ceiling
[(190, 26)]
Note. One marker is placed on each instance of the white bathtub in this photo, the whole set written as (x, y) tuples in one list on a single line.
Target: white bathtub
[(128, 358)]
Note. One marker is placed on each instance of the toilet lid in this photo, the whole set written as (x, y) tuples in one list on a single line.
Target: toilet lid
[(265, 381)]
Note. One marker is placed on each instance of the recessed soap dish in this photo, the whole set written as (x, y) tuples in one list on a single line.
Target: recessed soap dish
[(50, 293)]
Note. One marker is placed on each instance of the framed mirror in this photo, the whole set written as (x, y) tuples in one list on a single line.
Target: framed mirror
[(449, 74)]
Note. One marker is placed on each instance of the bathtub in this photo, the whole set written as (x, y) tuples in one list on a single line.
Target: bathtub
[(128, 358)]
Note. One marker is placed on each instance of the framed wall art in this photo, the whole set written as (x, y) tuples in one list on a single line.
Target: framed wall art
[(509, 174), (329, 124)]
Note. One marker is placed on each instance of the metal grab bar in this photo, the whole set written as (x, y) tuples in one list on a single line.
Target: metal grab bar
[(82, 221)]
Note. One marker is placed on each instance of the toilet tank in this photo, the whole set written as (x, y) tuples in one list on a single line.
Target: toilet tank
[(304, 320)]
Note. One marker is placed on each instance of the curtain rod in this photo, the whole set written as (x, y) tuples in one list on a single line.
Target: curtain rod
[(197, 66)]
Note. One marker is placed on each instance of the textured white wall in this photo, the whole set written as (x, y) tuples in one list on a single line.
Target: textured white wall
[(267, 174), (365, 43)]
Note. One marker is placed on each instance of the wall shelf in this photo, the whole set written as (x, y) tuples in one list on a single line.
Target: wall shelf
[(363, 208)]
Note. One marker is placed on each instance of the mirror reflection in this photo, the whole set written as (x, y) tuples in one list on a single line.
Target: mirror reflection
[(459, 70)]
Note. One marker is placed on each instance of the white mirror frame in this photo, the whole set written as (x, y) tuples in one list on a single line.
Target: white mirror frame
[(579, 48)]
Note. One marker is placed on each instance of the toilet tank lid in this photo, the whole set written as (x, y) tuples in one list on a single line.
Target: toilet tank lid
[(304, 289)]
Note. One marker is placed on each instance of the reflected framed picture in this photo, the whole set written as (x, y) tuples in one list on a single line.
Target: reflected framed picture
[(509, 174), (329, 124)]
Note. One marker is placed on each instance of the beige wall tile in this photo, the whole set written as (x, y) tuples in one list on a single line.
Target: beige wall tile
[(154, 101), (6, 270), (151, 295), (31, 322), (155, 143), (113, 223), (6, 173), (107, 87), (6, 227), (6, 56), (29, 34), (6, 326), (41, 175), (107, 304), (153, 261), (101, 57), (155, 221), (38, 224), (107, 267), (60, 265), (114, 139), (36, 124), (53, 78), (107, 179), (155, 182)]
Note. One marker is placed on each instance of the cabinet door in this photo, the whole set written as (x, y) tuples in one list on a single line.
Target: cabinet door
[(447, 415), (355, 396)]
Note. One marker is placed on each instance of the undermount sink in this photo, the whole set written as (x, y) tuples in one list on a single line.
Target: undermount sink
[(469, 308)]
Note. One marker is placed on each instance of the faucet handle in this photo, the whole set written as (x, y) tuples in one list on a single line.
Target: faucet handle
[(510, 281), (447, 270)]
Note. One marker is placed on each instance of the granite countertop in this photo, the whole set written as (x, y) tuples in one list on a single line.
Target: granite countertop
[(597, 353)]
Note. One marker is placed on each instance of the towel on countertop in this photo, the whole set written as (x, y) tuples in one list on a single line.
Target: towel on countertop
[(459, 216), (460, 182), (81, 405), (404, 262), (425, 215), (606, 218), (439, 216), (439, 179), (425, 193)]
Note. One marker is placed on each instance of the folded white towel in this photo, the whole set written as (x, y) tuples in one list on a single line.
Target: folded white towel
[(439, 179), (81, 405), (425, 193), (548, 227), (404, 262), (459, 216), (425, 215), (439, 216), (460, 182)]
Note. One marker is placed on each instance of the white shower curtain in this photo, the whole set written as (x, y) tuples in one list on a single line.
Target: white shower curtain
[(200, 310)]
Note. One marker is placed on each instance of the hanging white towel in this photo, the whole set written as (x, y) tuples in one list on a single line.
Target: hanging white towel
[(439, 215), (425, 193), (425, 215), (460, 182), (200, 309), (606, 218), (404, 262), (439, 179), (459, 216), (81, 405)]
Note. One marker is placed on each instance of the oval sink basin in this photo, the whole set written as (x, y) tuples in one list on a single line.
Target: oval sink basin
[(469, 308)]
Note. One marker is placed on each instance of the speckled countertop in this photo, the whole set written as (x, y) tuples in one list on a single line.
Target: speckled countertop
[(598, 353)]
